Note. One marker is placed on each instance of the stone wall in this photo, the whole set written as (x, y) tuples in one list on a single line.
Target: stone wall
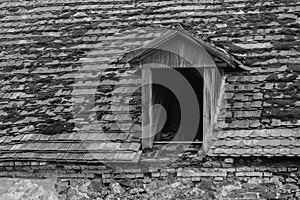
[(191, 177)]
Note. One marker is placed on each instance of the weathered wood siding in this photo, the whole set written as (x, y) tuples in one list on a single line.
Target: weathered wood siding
[(179, 52)]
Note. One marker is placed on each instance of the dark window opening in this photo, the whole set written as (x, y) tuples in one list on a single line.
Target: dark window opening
[(166, 98)]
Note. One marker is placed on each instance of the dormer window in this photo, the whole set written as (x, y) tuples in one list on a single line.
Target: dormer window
[(180, 89)]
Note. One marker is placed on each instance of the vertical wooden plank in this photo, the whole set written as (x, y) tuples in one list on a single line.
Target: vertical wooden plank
[(213, 90), (205, 111), (147, 139), (208, 107), (217, 86)]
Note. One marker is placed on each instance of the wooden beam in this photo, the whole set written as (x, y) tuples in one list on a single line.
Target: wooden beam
[(147, 138), (208, 107)]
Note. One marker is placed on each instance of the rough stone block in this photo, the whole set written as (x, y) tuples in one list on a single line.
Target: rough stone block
[(227, 165), (164, 174), (203, 174), (267, 174), (139, 175), (171, 170), (106, 176), (244, 169), (155, 174), (132, 170), (130, 175), (291, 180), (196, 179), (282, 169), (215, 164), (292, 169), (229, 160), (219, 178), (153, 169), (250, 174)]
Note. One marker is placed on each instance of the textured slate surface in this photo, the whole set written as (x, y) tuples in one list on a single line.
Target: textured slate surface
[(259, 114), (55, 54)]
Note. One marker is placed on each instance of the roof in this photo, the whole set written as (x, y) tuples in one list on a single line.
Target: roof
[(56, 54), (259, 114), (62, 108)]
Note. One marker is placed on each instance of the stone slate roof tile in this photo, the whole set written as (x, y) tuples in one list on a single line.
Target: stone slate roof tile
[(267, 119), (55, 55)]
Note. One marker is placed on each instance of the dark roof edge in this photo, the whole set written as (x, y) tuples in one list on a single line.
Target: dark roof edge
[(216, 51)]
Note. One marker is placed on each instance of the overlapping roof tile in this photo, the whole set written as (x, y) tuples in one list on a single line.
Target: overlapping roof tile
[(62, 88), (273, 127)]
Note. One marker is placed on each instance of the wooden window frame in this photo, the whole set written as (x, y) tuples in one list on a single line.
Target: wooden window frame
[(209, 107)]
